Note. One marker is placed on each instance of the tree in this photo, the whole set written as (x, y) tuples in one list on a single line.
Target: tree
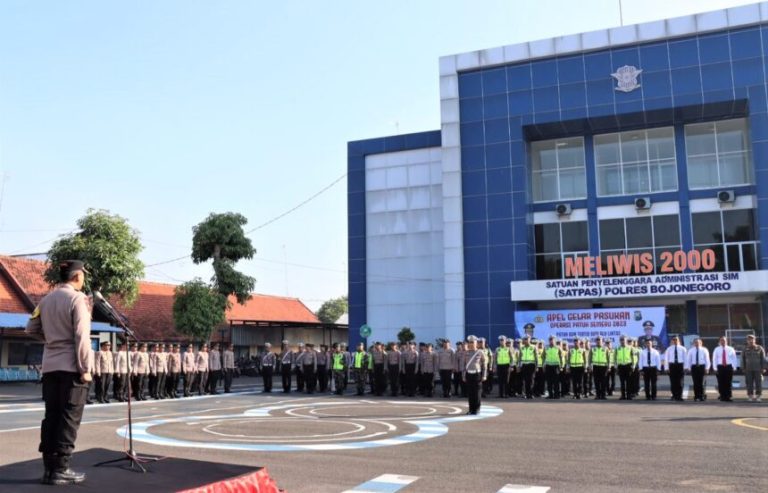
[(109, 247), (220, 237), (405, 335), (332, 309), (198, 309)]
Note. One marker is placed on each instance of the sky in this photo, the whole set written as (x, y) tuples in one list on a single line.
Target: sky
[(165, 111)]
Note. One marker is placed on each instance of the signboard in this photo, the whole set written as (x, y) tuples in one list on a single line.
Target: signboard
[(365, 331), (610, 323), (664, 285)]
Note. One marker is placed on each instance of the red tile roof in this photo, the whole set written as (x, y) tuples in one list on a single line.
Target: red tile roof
[(152, 314)]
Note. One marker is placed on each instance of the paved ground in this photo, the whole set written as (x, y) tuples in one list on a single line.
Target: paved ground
[(323, 443)]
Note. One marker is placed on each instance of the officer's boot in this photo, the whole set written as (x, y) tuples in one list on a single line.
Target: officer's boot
[(62, 474), (49, 465)]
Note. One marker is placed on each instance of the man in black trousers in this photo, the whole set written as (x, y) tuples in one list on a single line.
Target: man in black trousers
[(474, 373), (63, 321)]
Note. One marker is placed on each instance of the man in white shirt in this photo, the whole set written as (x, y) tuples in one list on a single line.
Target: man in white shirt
[(650, 365), (697, 363), (724, 361), (675, 359)]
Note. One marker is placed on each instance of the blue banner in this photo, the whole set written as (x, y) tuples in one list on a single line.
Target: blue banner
[(610, 323)]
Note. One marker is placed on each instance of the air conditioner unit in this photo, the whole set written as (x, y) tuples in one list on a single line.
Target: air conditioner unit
[(642, 203), (726, 196), (563, 209)]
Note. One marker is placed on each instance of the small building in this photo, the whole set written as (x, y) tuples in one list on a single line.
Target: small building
[(261, 319)]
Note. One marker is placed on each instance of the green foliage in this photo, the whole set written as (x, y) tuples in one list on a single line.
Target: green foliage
[(405, 335), (332, 309), (110, 249), (226, 280), (220, 237), (198, 309)]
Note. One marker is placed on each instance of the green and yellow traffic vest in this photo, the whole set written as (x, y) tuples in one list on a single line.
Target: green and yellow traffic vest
[(552, 356), (624, 356), (338, 362), (577, 358), (599, 356), (502, 356), (359, 359), (527, 355), (540, 357), (370, 361)]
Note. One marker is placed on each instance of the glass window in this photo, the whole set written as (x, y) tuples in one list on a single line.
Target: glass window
[(557, 241), (547, 238), (718, 154), (640, 161), (575, 236), (639, 233), (666, 230), (549, 267), (739, 225), (557, 168), (731, 235), (612, 234), (706, 228), (653, 235)]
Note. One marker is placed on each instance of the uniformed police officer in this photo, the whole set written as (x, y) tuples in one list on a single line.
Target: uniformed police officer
[(474, 373), (268, 364), (63, 321), (553, 364), (501, 363), (527, 364)]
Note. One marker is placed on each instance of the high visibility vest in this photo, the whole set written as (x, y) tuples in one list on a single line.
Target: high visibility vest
[(370, 361), (527, 355), (577, 357), (338, 361), (552, 356), (502, 356), (599, 356), (540, 357), (359, 359), (624, 356)]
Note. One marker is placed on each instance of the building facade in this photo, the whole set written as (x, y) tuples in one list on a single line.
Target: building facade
[(626, 167)]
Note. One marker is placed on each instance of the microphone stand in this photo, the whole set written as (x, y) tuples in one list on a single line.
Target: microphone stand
[(134, 459)]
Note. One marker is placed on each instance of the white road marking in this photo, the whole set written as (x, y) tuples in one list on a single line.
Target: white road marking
[(386, 483), (520, 488)]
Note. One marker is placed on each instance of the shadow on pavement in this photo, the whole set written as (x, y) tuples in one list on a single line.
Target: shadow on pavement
[(169, 474)]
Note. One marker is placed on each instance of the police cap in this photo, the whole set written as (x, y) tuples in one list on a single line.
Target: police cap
[(68, 267)]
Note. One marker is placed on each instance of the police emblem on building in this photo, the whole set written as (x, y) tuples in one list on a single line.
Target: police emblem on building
[(626, 78)]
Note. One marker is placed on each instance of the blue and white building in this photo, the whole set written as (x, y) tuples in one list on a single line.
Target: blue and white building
[(640, 139)]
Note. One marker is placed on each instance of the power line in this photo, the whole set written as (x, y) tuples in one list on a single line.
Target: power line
[(301, 204), (267, 223)]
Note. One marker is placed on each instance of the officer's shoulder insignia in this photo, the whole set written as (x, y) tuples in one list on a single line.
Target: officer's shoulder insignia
[(36, 313)]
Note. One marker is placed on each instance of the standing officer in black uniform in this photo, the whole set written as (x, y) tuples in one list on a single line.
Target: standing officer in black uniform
[(63, 321)]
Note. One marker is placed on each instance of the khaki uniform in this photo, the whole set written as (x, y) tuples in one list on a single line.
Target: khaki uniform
[(63, 321), (201, 367), (189, 370), (214, 370), (393, 370), (105, 368), (172, 379), (228, 364)]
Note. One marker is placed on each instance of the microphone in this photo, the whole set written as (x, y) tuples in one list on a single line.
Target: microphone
[(114, 314), (98, 297)]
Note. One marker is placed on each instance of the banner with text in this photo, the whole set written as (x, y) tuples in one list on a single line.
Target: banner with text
[(595, 288), (641, 323)]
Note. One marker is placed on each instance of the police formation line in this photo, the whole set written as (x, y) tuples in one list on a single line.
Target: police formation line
[(525, 368), (157, 371)]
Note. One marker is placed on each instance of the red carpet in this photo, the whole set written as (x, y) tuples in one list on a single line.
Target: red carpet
[(256, 482)]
